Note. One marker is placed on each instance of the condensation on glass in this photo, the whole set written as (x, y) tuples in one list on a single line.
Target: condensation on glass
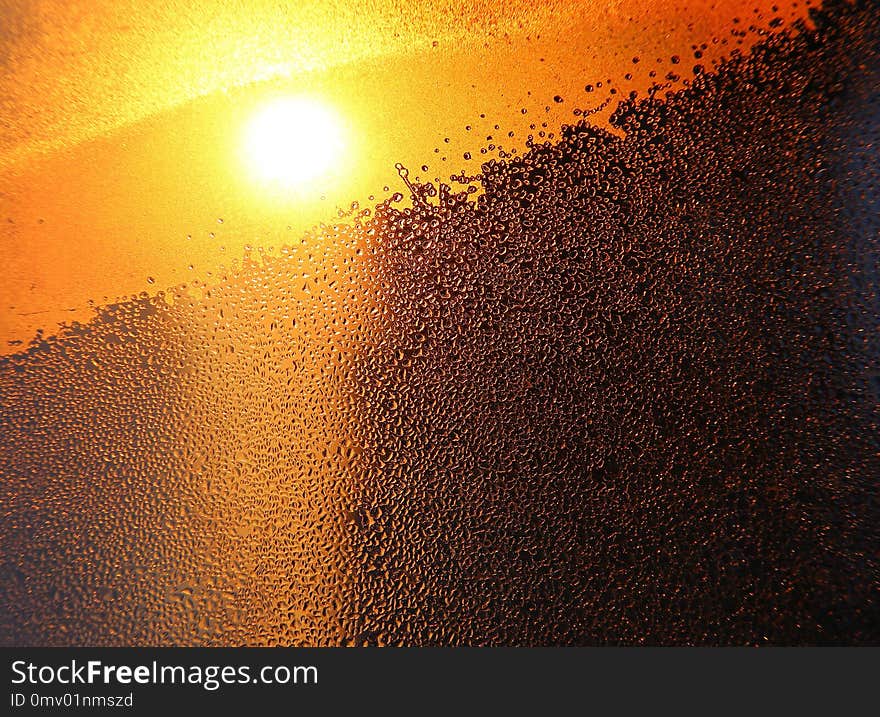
[(623, 390)]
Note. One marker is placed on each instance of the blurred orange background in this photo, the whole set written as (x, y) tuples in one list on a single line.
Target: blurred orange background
[(120, 162)]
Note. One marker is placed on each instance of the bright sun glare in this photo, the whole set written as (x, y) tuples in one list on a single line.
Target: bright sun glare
[(293, 140)]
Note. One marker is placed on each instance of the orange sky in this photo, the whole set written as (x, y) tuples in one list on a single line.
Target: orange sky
[(122, 121)]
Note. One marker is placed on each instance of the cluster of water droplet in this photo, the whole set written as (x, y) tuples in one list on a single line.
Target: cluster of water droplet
[(625, 392)]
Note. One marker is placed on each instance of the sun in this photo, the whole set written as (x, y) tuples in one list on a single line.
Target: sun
[(293, 140)]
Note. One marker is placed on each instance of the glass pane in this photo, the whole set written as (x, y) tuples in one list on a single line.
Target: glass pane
[(486, 322)]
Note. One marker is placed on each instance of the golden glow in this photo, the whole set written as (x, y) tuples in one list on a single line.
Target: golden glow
[(293, 140), (125, 123)]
